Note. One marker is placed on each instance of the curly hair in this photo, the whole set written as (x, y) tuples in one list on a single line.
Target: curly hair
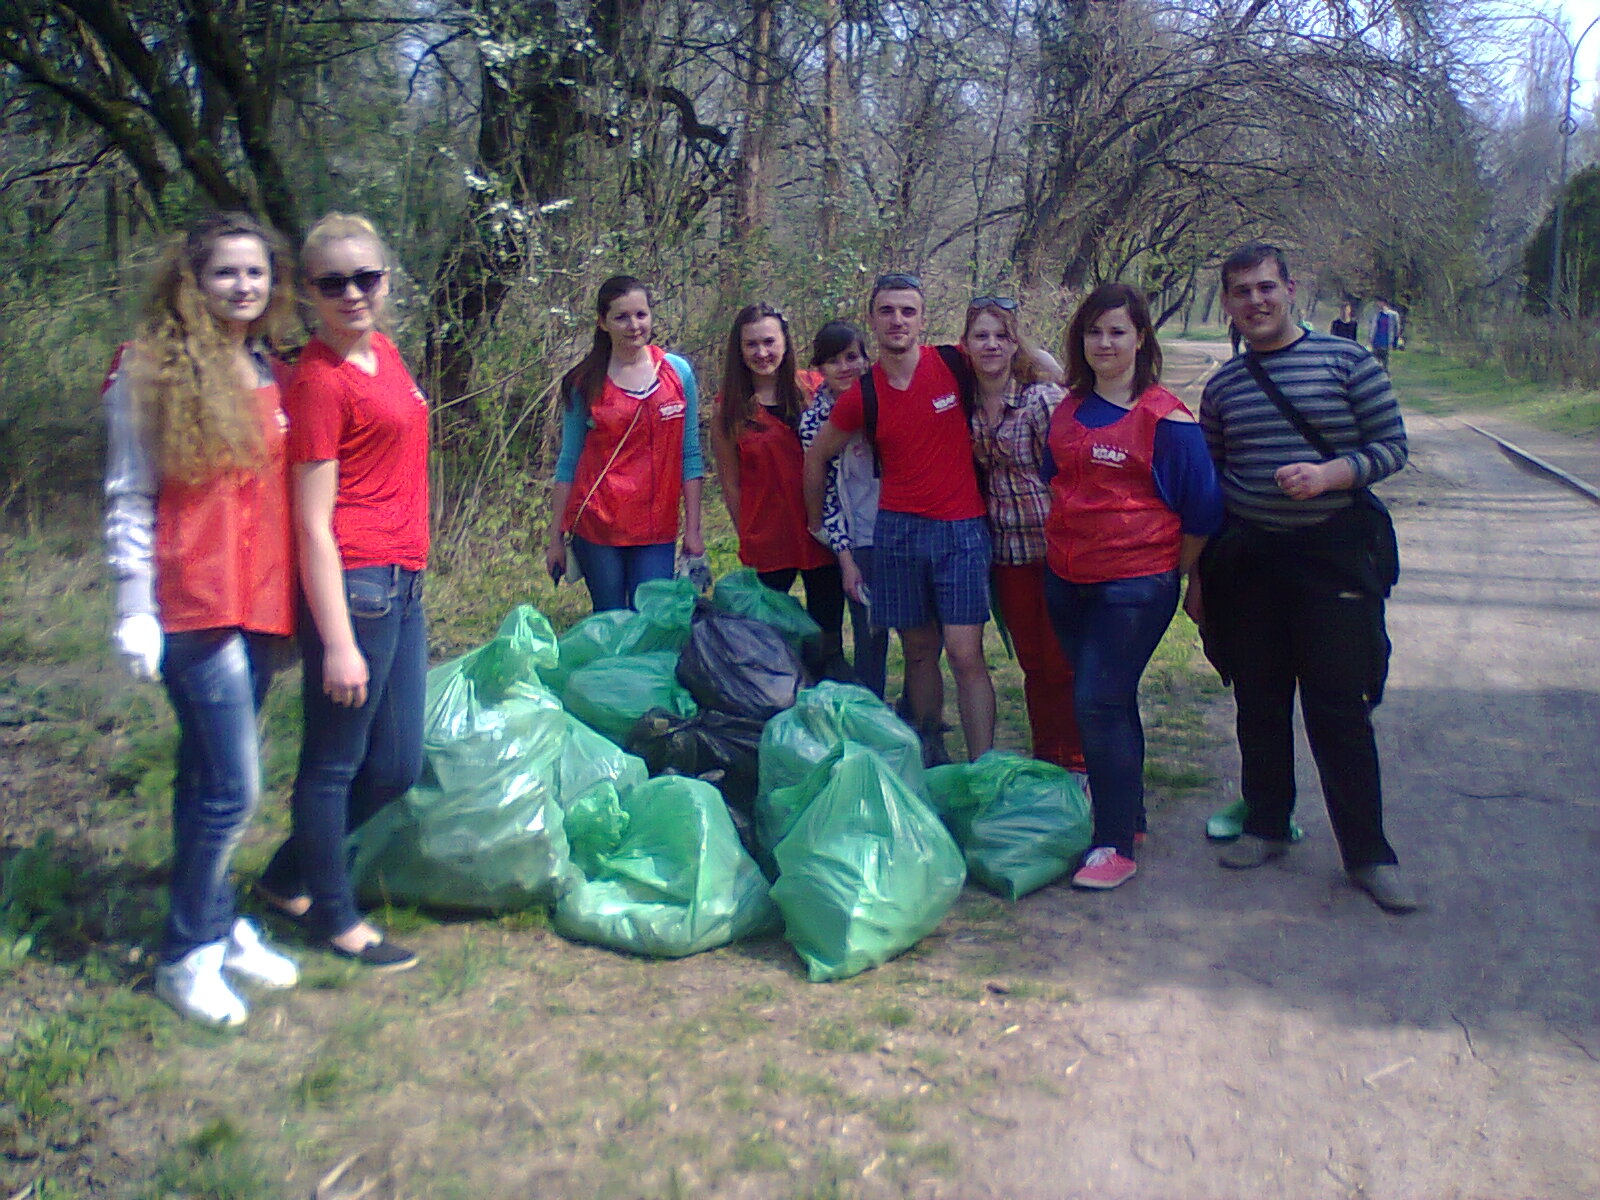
[(187, 393)]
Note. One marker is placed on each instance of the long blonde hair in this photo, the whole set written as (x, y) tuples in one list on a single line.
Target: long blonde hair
[(201, 420)]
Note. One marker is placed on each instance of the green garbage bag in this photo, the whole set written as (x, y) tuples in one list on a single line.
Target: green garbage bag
[(588, 758), (465, 693), (665, 611), (664, 874), (822, 718), (610, 694), (484, 831), (1020, 822), (867, 871), (742, 594)]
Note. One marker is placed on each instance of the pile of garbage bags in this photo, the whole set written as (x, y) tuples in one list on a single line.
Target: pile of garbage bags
[(746, 801)]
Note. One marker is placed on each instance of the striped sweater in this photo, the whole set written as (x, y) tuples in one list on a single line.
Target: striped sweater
[(1339, 388)]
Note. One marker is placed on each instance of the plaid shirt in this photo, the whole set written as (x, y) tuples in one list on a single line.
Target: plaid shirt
[(1010, 459)]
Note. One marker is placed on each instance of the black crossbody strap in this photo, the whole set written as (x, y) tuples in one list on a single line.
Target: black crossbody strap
[(1281, 402), (869, 419)]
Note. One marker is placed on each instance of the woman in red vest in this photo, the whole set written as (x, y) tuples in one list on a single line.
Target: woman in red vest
[(198, 532), (358, 439), (755, 438), (630, 451), (1133, 497)]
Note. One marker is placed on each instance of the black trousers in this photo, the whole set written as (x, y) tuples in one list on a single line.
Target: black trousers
[(1300, 621), (824, 594)]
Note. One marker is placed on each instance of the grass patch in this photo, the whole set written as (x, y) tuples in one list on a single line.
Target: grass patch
[(1433, 381), (218, 1162)]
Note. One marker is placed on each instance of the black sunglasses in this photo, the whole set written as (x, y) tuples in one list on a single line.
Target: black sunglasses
[(334, 286), (1005, 303), (897, 279)]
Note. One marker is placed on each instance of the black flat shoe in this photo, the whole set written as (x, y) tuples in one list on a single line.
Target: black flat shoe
[(379, 956)]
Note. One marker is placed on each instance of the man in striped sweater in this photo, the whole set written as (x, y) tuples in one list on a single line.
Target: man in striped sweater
[(1290, 597)]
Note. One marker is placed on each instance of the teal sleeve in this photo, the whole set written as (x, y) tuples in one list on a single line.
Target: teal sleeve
[(694, 466), (574, 428)]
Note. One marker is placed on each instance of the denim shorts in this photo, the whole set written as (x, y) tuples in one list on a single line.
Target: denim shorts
[(928, 570)]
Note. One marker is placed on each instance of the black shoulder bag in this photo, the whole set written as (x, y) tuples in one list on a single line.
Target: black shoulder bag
[(1382, 548)]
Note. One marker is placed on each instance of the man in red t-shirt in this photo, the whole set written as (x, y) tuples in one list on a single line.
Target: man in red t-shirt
[(930, 576)]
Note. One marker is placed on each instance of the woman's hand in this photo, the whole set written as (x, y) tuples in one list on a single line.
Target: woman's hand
[(1193, 605), (555, 556), (693, 542), (344, 676), (850, 574)]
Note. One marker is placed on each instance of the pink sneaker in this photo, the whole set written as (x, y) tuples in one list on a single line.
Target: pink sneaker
[(1103, 869)]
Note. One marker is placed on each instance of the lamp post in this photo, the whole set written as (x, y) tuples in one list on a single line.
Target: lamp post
[(1568, 128)]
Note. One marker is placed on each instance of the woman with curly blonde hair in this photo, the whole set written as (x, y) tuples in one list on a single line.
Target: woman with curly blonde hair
[(199, 539)]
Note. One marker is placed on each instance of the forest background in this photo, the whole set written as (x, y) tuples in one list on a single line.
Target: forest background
[(518, 151)]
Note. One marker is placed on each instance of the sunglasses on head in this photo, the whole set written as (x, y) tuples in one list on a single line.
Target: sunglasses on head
[(1005, 303), (333, 286), (897, 279)]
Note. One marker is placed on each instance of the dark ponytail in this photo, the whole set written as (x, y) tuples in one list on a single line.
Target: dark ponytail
[(585, 381)]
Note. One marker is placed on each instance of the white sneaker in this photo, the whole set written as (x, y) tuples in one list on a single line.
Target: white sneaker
[(255, 962), (194, 986)]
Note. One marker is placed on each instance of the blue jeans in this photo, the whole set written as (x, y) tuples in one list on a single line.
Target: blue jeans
[(871, 641), (353, 761), (1108, 632), (216, 680), (613, 572)]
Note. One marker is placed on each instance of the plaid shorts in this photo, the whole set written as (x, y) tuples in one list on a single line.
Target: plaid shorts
[(927, 570)]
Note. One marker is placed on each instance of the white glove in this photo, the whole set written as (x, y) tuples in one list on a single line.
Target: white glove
[(138, 641)]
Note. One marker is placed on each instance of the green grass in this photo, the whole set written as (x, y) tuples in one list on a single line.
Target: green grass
[(1435, 382)]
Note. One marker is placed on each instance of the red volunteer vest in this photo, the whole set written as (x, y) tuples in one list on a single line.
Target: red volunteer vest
[(634, 501), (224, 548), (772, 509), (1107, 520)]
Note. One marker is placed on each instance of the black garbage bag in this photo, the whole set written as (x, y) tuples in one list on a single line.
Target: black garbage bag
[(739, 665), (721, 748)]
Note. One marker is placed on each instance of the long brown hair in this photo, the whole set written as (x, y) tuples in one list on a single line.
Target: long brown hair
[(1109, 297), (584, 383), (1025, 365), (187, 395), (738, 384)]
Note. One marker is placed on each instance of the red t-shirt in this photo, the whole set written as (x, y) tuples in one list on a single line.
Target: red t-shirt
[(376, 428), (923, 441)]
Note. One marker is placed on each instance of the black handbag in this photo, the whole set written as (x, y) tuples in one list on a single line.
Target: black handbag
[(1383, 550)]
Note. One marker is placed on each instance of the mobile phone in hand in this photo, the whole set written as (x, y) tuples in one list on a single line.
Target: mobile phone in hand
[(557, 570)]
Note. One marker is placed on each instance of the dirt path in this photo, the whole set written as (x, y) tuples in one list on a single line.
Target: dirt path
[(1273, 1033)]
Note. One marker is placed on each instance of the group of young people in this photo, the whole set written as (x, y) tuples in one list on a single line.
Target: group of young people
[(252, 506)]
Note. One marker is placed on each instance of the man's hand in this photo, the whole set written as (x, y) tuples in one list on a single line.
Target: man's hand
[(1302, 481)]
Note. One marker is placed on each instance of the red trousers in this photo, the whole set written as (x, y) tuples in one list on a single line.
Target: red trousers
[(1046, 675)]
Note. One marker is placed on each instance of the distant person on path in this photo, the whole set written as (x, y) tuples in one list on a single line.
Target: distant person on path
[(630, 452), (850, 499), (1292, 595), (1345, 325), (931, 568), (1133, 497), (198, 532), (358, 439), (756, 441), (1385, 333), (1010, 424)]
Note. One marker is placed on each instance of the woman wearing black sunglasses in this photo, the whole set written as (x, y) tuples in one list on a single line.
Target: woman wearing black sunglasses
[(1010, 422), (358, 439)]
